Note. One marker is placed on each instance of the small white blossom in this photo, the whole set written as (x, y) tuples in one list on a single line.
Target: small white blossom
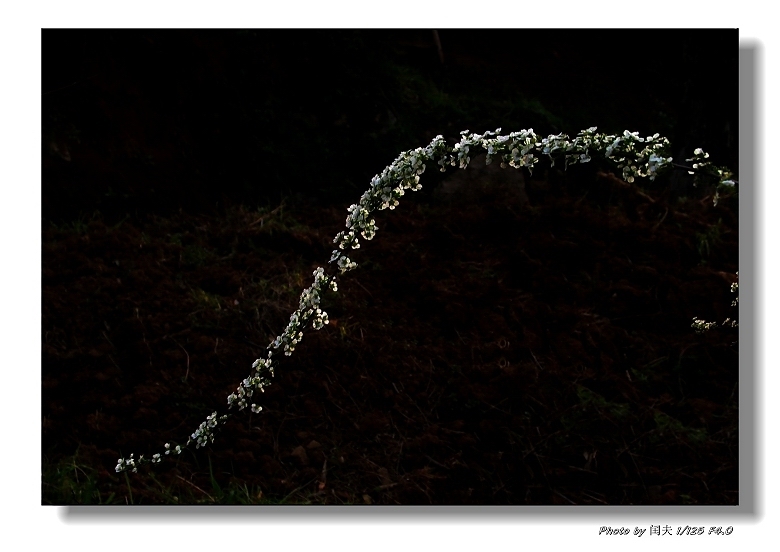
[(701, 326), (634, 156)]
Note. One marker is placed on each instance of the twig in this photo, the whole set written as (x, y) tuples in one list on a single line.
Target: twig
[(620, 182), (565, 498), (657, 224), (260, 220), (187, 373), (364, 287), (593, 497), (437, 463), (324, 476), (536, 361), (385, 486), (296, 490), (198, 488), (438, 46)]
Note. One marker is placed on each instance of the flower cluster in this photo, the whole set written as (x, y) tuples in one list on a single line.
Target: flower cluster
[(700, 326), (128, 464), (699, 156), (205, 432), (176, 449), (515, 150), (703, 169), (634, 155), (384, 193)]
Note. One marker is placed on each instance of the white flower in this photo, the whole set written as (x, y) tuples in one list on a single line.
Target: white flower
[(700, 326), (517, 149)]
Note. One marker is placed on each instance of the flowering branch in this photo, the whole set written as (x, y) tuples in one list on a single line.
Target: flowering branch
[(633, 155), (700, 326)]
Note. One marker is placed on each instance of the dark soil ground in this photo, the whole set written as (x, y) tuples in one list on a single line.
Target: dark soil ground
[(503, 341)]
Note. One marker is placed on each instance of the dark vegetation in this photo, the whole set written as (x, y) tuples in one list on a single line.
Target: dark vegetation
[(506, 339)]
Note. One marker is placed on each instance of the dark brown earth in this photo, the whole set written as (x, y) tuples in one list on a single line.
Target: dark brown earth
[(503, 341)]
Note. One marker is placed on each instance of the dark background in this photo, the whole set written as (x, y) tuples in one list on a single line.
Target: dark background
[(507, 339), (138, 121)]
